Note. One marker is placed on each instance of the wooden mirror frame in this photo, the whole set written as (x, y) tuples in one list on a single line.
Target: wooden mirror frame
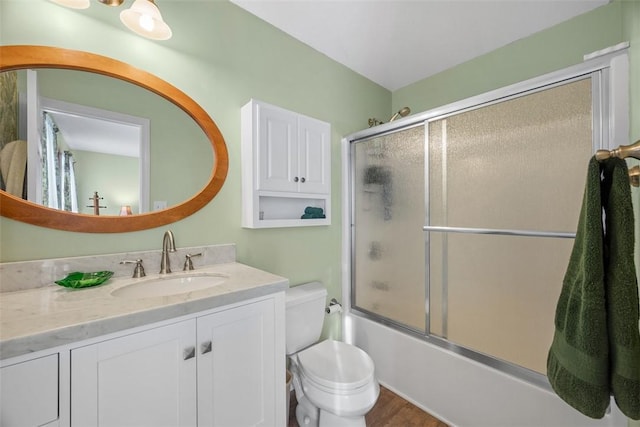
[(21, 57)]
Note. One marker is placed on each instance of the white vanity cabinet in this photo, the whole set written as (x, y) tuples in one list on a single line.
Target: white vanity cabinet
[(29, 392), (286, 166), (240, 371), (143, 379), (220, 369)]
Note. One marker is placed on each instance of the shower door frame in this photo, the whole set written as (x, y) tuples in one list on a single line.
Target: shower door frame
[(608, 71)]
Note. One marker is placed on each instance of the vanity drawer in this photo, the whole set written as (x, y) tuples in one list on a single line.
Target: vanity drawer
[(29, 392)]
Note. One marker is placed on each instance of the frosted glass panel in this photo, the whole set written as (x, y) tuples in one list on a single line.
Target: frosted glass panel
[(517, 164), (389, 213), (501, 293)]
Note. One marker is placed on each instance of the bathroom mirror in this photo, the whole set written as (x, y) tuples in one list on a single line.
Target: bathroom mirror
[(48, 58), (102, 126)]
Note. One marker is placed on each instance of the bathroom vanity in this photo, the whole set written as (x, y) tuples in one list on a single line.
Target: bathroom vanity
[(211, 356)]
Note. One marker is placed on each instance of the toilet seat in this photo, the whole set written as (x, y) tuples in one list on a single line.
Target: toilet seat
[(336, 366)]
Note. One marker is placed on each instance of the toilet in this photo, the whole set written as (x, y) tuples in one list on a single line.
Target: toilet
[(334, 382)]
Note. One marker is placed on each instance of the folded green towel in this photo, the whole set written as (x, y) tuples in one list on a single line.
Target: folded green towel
[(595, 349), (314, 211), (312, 216), (621, 288)]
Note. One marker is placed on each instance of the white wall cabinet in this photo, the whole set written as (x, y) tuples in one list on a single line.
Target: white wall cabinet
[(221, 369), (29, 393), (286, 167)]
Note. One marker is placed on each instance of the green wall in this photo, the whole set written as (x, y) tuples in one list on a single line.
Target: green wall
[(553, 49), (95, 172)]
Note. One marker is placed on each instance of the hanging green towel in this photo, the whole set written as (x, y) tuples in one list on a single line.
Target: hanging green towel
[(578, 361), (596, 349), (621, 288)]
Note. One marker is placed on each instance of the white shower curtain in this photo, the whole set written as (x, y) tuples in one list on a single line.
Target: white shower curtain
[(68, 196), (58, 175)]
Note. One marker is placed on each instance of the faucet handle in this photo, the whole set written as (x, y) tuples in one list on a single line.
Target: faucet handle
[(138, 271), (188, 264)]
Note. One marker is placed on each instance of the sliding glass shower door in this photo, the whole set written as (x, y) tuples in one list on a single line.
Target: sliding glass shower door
[(388, 216), (462, 225)]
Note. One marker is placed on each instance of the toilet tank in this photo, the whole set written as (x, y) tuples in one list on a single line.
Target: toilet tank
[(305, 309)]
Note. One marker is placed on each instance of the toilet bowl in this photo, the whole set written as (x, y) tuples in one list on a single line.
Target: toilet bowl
[(338, 382), (334, 381)]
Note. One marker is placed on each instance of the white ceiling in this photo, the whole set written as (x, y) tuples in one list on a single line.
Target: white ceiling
[(88, 133), (398, 42)]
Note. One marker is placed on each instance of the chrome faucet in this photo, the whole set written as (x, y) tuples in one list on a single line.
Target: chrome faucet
[(168, 245)]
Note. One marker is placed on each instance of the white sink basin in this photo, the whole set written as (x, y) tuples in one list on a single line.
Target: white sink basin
[(167, 286)]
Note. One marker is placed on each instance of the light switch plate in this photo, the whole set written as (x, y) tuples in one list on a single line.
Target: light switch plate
[(159, 205)]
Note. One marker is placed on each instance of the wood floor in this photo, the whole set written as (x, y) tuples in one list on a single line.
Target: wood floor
[(389, 411)]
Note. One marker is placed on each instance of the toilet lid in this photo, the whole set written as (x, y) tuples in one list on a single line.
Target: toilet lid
[(336, 365)]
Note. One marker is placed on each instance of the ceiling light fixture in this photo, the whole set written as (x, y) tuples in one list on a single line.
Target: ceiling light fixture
[(111, 2), (143, 17)]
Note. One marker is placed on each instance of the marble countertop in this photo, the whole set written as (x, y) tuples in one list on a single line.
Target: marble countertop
[(51, 316)]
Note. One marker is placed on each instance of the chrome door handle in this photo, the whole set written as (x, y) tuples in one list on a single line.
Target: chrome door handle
[(295, 179), (189, 353), (302, 179), (205, 347)]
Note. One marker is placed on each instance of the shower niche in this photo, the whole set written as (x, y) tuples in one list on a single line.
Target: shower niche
[(286, 168)]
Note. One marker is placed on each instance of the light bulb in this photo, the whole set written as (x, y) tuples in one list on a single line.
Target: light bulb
[(144, 18), (146, 22)]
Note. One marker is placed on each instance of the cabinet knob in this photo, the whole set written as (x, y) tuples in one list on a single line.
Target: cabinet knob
[(302, 179), (189, 353), (295, 179), (205, 347)]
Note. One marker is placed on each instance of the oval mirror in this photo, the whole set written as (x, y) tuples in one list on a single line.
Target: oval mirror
[(145, 182)]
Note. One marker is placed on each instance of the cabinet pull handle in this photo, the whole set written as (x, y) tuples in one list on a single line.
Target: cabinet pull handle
[(189, 353), (295, 179), (205, 347), (302, 179)]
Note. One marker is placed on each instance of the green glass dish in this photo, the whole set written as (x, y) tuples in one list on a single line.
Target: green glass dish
[(85, 280)]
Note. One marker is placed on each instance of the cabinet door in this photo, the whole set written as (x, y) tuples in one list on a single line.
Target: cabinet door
[(314, 155), (277, 149), (143, 379), (236, 367), (29, 393)]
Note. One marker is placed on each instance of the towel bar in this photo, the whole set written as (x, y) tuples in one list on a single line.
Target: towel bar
[(623, 152)]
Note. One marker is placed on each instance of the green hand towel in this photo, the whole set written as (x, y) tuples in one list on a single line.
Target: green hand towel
[(313, 211), (312, 216), (578, 361), (596, 346), (621, 288)]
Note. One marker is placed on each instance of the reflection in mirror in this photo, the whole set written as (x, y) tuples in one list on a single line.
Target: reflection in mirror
[(94, 142), (116, 138), (177, 162)]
